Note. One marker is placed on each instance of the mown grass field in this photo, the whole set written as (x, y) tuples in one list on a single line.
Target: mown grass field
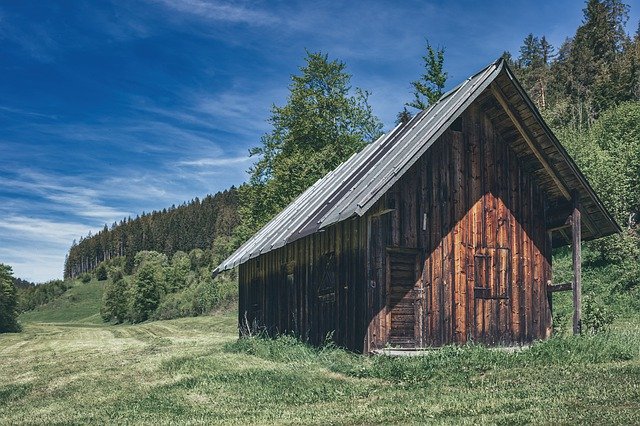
[(67, 367)]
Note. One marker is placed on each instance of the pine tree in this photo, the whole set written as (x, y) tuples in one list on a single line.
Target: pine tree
[(593, 61), (403, 116), (533, 68), (430, 87), (8, 301)]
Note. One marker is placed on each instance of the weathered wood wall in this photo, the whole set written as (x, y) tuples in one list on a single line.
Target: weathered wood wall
[(469, 218), (314, 288), (479, 221)]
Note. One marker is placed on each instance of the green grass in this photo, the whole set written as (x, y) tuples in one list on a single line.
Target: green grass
[(80, 304), (69, 368), (193, 370)]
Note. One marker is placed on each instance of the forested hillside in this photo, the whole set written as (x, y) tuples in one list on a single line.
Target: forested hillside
[(197, 224), (588, 89)]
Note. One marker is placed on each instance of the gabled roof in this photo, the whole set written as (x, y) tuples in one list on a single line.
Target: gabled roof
[(358, 183)]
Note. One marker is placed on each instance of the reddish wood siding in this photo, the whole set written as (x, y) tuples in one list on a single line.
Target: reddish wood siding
[(482, 210), (475, 218)]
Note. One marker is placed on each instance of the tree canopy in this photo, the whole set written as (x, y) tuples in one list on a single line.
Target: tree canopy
[(322, 124), (430, 86)]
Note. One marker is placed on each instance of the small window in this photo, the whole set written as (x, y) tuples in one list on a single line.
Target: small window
[(456, 126), (492, 273)]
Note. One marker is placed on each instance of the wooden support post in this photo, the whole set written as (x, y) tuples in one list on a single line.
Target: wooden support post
[(576, 234)]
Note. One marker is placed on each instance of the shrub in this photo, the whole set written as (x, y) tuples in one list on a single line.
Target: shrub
[(101, 272), (596, 316), (85, 278), (32, 297)]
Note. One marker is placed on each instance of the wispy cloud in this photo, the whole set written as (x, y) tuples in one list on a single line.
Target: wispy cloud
[(217, 11), (19, 111), (63, 194), (35, 247), (216, 162), (43, 230)]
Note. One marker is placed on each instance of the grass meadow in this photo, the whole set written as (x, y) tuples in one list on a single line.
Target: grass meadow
[(67, 367)]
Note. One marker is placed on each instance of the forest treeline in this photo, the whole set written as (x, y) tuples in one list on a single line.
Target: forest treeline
[(588, 89), (202, 224)]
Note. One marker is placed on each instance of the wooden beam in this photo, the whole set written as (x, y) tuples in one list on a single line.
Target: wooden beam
[(576, 234), (558, 227), (552, 288), (522, 128)]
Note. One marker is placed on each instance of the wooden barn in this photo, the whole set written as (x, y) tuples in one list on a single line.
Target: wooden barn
[(439, 232)]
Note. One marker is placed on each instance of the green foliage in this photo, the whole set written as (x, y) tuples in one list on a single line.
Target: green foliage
[(595, 69), (41, 294), (616, 133), (115, 300), (101, 272), (153, 258), (430, 87), (178, 228), (85, 278), (178, 272), (609, 155), (319, 127), (596, 316), (162, 290), (201, 298), (147, 290), (8, 301)]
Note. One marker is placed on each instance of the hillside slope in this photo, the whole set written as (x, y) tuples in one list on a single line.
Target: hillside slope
[(80, 305)]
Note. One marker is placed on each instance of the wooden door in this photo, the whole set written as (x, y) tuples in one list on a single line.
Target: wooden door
[(492, 287), (404, 304)]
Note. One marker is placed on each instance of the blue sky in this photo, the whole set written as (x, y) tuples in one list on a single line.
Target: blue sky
[(108, 109)]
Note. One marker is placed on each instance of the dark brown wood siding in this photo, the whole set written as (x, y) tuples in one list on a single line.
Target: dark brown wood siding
[(474, 219), (313, 288)]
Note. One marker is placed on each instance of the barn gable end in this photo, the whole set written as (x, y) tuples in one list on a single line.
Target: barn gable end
[(439, 232)]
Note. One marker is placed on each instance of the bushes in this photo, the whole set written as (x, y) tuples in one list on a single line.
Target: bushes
[(160, 289), (101, 272), (596, 316), (32, 297), (146, 291)]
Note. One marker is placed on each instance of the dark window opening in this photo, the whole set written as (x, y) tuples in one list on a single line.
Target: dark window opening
[(326, 272)]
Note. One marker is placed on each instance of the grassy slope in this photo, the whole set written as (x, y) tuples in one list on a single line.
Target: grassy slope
[(80, 304), (67, 368)]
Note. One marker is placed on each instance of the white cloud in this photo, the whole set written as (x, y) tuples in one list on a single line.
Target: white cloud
[(216, 162), (35, 247), (217, 11), (69, 195), (42, 230)]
